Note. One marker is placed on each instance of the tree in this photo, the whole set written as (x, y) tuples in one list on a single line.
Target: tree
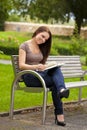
[(47, 9), (60, 10), (78, 8), (5, 7)]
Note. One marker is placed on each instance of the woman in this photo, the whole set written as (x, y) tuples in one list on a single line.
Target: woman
[(33, 55)]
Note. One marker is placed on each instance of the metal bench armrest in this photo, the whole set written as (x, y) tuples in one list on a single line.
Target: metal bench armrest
[(18, 76)]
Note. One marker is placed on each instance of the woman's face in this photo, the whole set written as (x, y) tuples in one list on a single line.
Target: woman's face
[(42, 37)]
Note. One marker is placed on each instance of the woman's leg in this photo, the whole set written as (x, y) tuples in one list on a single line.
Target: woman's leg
[(57, 102), (58, 111), (58, 80), (31, 80)]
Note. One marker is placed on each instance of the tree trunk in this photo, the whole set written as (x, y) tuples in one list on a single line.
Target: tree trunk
[(78, 23)]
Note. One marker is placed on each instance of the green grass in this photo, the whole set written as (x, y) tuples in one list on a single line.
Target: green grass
[(6, 57), (14, 36), (24, 99), (5, 83)]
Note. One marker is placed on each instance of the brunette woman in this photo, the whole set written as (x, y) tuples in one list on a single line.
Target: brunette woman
[(33, 55)]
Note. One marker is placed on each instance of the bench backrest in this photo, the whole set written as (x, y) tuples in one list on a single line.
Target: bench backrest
[(15, 64), (71, 68)]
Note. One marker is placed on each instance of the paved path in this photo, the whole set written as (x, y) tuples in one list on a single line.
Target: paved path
[(76, 119), (5, 61)]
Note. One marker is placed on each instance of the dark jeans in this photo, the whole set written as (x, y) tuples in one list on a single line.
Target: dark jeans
[(54, 80)]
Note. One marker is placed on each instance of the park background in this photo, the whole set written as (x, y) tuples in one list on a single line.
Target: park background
[(74, 42)]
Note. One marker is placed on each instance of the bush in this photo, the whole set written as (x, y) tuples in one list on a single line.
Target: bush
[(86, 61), (64, 51), (78, 46), (53, 51), (14, 17), (9, 50), (1, 25), (61, 45), (10, 41), (9, 46)]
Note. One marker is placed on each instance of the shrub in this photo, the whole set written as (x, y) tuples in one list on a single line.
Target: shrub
[(9, 45), (64, 51), (78, 46), (9, 50), (86, 61), (53, 51)]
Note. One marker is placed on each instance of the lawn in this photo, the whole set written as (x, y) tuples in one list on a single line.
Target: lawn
[(22, 99), (14, 36)]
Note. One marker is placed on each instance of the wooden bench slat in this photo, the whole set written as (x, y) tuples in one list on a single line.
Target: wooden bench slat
[(76, 84), (72, 68), (72, 75), (72, 71)]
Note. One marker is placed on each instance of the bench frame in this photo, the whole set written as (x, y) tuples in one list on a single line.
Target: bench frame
[(17, 80)]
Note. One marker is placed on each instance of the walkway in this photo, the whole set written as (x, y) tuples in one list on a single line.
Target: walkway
[(75, 116), (5, 61)]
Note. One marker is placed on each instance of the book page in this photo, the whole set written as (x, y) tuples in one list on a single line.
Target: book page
[(53, 64)]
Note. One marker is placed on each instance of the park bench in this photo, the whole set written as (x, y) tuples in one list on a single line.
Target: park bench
[(71, 69)]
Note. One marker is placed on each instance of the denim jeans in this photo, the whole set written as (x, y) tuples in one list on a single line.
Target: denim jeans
[(54, 80)]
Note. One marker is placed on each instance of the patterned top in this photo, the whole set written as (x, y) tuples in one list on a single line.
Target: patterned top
[(31, 58)]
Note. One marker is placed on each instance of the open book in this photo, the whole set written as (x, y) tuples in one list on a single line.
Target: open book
[(53, 64)]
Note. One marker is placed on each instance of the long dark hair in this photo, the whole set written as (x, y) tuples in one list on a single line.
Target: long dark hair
[(45, 48)]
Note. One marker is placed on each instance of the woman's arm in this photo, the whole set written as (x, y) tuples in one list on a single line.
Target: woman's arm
[(24, 66)]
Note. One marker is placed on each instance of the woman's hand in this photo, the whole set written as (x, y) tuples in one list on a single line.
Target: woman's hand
[(41, 67)]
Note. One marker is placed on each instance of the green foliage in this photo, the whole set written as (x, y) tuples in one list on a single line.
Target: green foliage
[(86, 60), (60, 45), (59, 10), (80, 16), (9, 45), (10, 41), (41, 10), (5, 7), (54, 51), (64, 51), (9, 50), (78, 46), (14, 17)]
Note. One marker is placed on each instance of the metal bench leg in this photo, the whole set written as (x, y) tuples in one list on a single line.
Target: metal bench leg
[(12, 102), (80, 95), (44, 106)]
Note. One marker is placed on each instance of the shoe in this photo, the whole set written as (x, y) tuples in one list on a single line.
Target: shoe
[(60, 123), (64, 93)]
